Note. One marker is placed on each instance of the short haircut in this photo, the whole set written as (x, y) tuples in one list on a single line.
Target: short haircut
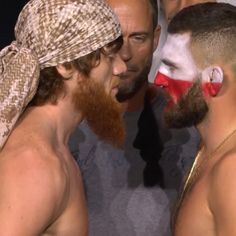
[(212, 27)]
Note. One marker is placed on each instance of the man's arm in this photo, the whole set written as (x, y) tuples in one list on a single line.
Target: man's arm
[(31, 193)]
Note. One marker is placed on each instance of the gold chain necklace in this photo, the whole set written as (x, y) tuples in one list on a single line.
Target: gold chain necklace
[(194, 173)]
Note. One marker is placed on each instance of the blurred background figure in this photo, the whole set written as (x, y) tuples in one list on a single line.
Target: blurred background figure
[(131, 190)]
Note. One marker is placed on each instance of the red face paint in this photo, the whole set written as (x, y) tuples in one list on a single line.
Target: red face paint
[(175, 88)]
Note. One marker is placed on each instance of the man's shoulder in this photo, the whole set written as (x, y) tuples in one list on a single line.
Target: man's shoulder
[(224, 167), (36, 168), (222, 187), (30, 159), (31, 182)]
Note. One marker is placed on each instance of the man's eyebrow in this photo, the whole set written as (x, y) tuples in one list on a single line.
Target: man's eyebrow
[(169, 63), (145, 33)]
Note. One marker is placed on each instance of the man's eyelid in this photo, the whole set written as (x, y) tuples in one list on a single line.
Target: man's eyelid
[(109, 52), (142, 35), (169, 63), (111, 55)]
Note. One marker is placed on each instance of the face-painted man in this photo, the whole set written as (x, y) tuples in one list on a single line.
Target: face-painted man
[(185, 83), (199, 72)]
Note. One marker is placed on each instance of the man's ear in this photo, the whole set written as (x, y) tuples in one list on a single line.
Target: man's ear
[(212, 74), (212, 78), (157, 33), (65, 72)]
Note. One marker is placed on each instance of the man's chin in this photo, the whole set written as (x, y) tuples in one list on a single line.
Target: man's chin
[(175, 120), (107, 122), (102, 112), (189, 110), (181, 115), (169, 105)]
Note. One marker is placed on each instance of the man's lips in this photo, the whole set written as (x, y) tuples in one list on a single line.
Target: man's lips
[(115, 88), (128, 72), (114, 91)]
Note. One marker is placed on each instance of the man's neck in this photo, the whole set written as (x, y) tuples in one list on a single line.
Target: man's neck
[(217, 125), (136, 102), (60, 119)]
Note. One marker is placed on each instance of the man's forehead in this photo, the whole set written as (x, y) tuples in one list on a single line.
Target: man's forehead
[(177, 55), (176, 46)]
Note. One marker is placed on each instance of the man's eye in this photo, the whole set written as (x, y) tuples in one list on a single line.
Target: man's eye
[(139, 38), (172, 69), (111, 55)]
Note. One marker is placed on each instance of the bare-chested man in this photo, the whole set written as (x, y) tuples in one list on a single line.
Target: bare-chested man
[(198, 70), (69, 47)]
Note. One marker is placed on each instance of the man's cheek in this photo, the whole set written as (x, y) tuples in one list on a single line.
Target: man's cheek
[(175, 88)]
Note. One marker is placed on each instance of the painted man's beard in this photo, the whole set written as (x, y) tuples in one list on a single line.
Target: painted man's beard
[(101, 111), (189, 110)]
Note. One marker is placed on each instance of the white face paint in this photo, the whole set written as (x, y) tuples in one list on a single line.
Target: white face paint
[(177, 61), (178, 71)]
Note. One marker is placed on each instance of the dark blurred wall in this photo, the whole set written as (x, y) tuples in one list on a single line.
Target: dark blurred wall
[(9, 11)]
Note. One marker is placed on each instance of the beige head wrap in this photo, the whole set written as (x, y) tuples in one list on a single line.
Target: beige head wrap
[(48, 33)]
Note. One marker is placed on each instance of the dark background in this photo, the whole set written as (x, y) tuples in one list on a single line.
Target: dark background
[(9, 11)]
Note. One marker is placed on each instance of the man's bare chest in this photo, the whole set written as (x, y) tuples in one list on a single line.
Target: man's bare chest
[(194, 216)]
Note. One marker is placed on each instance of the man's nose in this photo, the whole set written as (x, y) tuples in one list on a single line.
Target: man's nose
[(119, 65), (125, 51)]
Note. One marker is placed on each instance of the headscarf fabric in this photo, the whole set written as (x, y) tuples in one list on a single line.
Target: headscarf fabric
[(48, 33)]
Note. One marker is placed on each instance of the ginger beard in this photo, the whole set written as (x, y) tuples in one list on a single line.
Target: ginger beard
[(189, 110), (101, 111)]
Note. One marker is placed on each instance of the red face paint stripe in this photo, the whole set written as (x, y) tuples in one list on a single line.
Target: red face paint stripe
[(175, 88)]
